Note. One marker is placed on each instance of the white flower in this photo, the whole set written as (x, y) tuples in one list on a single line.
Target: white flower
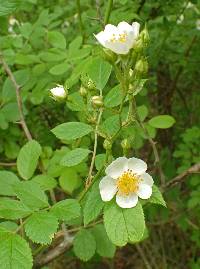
[(198, 24), (127, 178), (120, 39), (58, 92)]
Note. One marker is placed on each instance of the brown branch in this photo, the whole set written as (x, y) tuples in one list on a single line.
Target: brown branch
[(18, 96), (7, 164), (178, 179)]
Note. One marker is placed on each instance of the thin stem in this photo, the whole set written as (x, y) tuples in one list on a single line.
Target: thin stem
[(108, 11), (18, 96), (143, 256), (7, 164), (80, 19), (89, 179)]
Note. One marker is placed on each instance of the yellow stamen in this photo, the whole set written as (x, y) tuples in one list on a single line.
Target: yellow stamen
[(127, 183), (121, 38)]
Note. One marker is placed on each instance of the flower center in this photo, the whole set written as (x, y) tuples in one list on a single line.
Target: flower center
[(127, 183), (120, 38)]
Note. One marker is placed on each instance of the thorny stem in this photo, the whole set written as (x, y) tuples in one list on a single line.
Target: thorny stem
[(80, 19), (18, 96), (89, 179), (108, 11)]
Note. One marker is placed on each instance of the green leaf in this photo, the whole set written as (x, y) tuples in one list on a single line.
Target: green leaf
[(13, 209), (59, 69), (113, 97), (45, 182), (100, 161), (31, 195), (75, 102), (156, 197), (93, 205), (69, 180), (8, 6), (15, 252), (7, 179), (99, 71), (142, 112), (9, 225), (111, 125), (11, 112), (139, 85), (40, 227), (105, 247), (124, 225), (27, 159), (84, 245), (66, 210), (57, 40), (74, 157), (162, 121), (71, 130)]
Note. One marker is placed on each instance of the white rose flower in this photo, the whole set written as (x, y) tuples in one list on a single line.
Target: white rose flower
[(121, 38), (127, 178), (58, 92)]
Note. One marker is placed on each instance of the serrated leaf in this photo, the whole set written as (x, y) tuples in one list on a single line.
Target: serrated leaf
[(105, 247), (40, 227), (59, 69), (99, 71), (66, 210), (15, 252), (162, 121), (71, 130), (28, 158), (13, 209), (113, 97), (8, 6), (69, 179), (74, 157), (156, 197), (7, 179), (84, 245), (45, 182), (31, 195), (124, 225), (93, 205)]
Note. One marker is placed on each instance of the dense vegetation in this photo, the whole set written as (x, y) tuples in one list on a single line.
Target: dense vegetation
[(54, 151)]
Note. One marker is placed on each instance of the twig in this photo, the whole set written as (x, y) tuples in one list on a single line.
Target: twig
[(7, 164), (18, 96), (89, 179), (143, 256), (108, 11), (193, 169)]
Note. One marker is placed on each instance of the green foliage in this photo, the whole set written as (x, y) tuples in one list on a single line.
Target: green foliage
[(27, 159), (84, 245), (156, 197), (40, 227), (124, 225), (162, 121), (7, 180), (15, 252), (74, 157), (71, 130)]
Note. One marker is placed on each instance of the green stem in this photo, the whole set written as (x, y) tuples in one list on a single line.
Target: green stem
[(108, 11), (80, 19)]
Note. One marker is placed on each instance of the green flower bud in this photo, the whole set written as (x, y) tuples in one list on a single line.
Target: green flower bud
[(83, 91), (109, 55), (125, 144), (107, 144), (97, 101), (141, 66), (91, 85), (145, 36)]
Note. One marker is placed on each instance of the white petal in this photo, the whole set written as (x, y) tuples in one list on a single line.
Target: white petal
[(108, 188), (110, 28), (117, 47), (136, 29), (127, 201), (125, 27), (117, 167), (147, 179), (144, 191), (101, 37), (138, 166)]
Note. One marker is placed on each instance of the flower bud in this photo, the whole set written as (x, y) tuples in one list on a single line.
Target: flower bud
[(141, 66), (131, 73), (83, 91), (58, 93), (107, 144), (125, 144), (91, 85), (145, 36), (109, 55), (97, 101)]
